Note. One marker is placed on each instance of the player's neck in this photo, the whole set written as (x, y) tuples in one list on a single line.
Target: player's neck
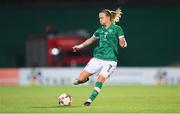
[(107, 25)]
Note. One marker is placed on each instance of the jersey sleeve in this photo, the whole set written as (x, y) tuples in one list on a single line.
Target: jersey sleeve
[(120, 32), (96, 34)]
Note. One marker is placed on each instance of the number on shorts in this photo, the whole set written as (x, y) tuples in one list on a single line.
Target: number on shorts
[(110, 66)]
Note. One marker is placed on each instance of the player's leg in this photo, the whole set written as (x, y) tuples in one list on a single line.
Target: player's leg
[(101, 79), (83, 77), (107, 70), (92, 67)]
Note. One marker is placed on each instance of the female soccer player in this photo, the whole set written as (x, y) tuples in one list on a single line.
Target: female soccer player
[(105, 55)]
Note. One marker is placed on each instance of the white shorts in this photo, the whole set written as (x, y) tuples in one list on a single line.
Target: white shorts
[(105, 68)]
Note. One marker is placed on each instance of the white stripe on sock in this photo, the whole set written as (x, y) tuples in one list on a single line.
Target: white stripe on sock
[(89, 100), (97, 89)]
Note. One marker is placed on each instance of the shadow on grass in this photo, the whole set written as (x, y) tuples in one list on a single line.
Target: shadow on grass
[(55, 106)]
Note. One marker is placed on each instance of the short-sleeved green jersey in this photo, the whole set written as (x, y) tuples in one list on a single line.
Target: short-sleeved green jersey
[(107, 48)]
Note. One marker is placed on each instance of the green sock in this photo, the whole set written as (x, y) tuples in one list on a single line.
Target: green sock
[(96, 90)]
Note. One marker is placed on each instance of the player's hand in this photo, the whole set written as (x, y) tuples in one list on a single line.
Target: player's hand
[(123, 43), (77, 47)]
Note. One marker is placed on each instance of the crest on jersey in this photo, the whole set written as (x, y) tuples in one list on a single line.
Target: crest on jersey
[(110, 30)]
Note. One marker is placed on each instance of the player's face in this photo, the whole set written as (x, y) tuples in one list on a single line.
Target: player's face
[(103, 18)]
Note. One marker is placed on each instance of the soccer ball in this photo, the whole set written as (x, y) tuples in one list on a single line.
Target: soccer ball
[(65, 99)]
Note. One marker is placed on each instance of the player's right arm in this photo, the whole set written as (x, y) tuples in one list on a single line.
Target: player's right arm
[(84, 44)]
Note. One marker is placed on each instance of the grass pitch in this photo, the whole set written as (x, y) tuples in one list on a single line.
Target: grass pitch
[(112, 99)]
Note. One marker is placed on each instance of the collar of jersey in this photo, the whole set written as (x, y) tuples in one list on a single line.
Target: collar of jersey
[(108, 27)]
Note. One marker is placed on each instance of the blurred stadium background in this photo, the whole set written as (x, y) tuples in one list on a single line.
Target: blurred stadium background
[(37, 36), (151, 28)]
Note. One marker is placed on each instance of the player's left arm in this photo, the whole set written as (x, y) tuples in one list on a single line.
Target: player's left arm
[(122, 40)]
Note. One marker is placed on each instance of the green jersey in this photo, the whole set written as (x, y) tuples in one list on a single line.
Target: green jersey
[(107, 48)]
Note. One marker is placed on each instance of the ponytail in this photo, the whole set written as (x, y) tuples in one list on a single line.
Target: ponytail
[(114, 15)]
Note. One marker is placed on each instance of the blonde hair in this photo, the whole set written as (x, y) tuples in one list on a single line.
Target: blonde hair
[(114, 15)]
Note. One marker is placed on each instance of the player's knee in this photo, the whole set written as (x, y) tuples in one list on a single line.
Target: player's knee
[(101, 79)]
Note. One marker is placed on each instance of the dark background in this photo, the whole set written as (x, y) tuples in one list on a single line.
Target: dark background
[(152, 28)]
